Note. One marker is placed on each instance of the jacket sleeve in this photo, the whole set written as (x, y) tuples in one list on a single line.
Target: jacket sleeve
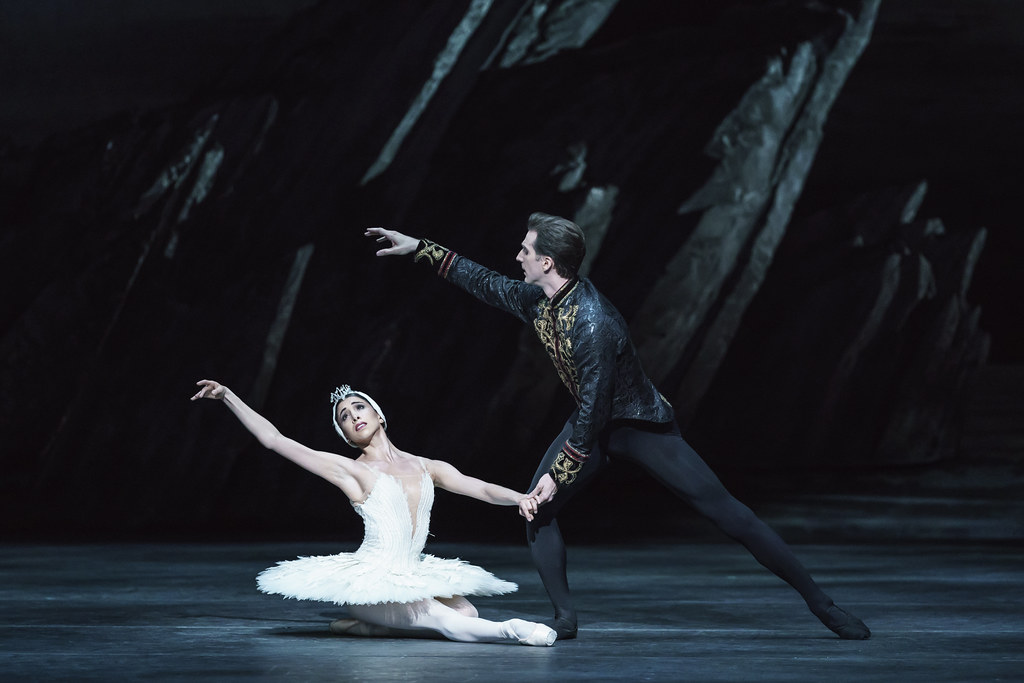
[(595, 355), (511, 296)]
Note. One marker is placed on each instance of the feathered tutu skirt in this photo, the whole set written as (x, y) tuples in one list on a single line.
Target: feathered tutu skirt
[(359, 579)]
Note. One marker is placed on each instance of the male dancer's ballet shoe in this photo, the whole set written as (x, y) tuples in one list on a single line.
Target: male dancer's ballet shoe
[(535, 634), (564, 627), (844, 624)]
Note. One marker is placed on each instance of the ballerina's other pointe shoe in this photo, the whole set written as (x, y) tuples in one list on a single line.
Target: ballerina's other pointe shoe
[(536, 634), (354, 627)]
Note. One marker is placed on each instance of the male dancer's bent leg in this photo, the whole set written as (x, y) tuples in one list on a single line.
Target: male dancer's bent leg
[(661, 450), (545, 538)]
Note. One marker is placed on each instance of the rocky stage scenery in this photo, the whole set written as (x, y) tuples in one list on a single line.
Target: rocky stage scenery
[(804, 210)]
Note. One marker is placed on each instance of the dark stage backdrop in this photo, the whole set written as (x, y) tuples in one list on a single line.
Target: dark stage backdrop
[(806, 211)]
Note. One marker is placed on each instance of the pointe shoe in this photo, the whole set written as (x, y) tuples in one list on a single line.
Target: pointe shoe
[(537, 634), (844, 624)]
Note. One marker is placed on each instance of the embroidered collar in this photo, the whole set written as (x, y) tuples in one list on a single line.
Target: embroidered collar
[(563, 291)]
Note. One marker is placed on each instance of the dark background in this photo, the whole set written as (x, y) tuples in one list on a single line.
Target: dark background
[(106, 325)]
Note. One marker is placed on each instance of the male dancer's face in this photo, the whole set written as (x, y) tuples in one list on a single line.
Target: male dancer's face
[(533, 265)]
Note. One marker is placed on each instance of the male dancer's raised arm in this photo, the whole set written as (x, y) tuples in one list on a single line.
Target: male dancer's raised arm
[(588, 374), (511, 296)]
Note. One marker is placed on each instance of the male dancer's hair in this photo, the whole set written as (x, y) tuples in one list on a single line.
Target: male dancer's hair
[(561, 240)]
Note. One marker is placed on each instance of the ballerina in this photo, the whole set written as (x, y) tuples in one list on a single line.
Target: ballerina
[(388, 584)]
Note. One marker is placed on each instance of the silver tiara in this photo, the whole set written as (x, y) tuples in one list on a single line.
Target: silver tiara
[(340, 393)]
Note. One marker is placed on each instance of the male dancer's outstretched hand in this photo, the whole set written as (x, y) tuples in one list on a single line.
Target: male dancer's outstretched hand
[(545, 490), (400, 244), (210, 389)]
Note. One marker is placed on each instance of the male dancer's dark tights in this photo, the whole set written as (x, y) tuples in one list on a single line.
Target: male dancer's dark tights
[(661, 450)]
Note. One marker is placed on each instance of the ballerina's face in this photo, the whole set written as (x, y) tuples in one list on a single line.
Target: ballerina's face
[(357, 419)]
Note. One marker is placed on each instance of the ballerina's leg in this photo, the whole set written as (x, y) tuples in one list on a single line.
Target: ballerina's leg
[(431, 615), (355, 627)]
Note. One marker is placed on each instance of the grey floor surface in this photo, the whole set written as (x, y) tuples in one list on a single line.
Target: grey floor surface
[(694, 611)]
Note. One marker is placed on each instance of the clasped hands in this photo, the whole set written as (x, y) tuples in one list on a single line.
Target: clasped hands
[(541, 494)]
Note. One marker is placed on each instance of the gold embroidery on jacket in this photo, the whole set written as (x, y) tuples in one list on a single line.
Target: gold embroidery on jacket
[(553, 326), (565, 469), (433, 252)]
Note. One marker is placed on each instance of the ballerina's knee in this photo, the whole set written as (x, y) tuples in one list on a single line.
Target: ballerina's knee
[(461, 605)]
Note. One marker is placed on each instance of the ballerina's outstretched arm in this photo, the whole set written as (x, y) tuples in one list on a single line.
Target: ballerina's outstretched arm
[(343, 472), (451, 479)]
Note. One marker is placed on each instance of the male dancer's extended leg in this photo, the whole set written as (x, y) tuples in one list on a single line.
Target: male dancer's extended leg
[(545, 538), (667, 456)]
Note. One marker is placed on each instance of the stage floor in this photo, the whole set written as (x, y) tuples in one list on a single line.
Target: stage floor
[(700, 611)]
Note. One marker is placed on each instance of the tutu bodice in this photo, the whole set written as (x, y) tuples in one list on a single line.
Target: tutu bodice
[(396, 521), (389, 565)]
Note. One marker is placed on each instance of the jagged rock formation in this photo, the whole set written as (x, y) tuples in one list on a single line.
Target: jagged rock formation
[(765, 147), (223, 238), (857, 349)]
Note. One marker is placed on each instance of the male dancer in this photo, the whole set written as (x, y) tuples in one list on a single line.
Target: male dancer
[(619, 413)]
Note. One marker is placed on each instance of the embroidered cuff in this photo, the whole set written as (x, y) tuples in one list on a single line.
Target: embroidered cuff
[(565, 469), (567, 465), (435, 255)]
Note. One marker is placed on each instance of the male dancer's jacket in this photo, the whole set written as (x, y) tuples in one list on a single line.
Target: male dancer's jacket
[(588, 342)]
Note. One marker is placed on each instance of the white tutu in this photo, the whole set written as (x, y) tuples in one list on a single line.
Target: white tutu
[(390, 565)]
